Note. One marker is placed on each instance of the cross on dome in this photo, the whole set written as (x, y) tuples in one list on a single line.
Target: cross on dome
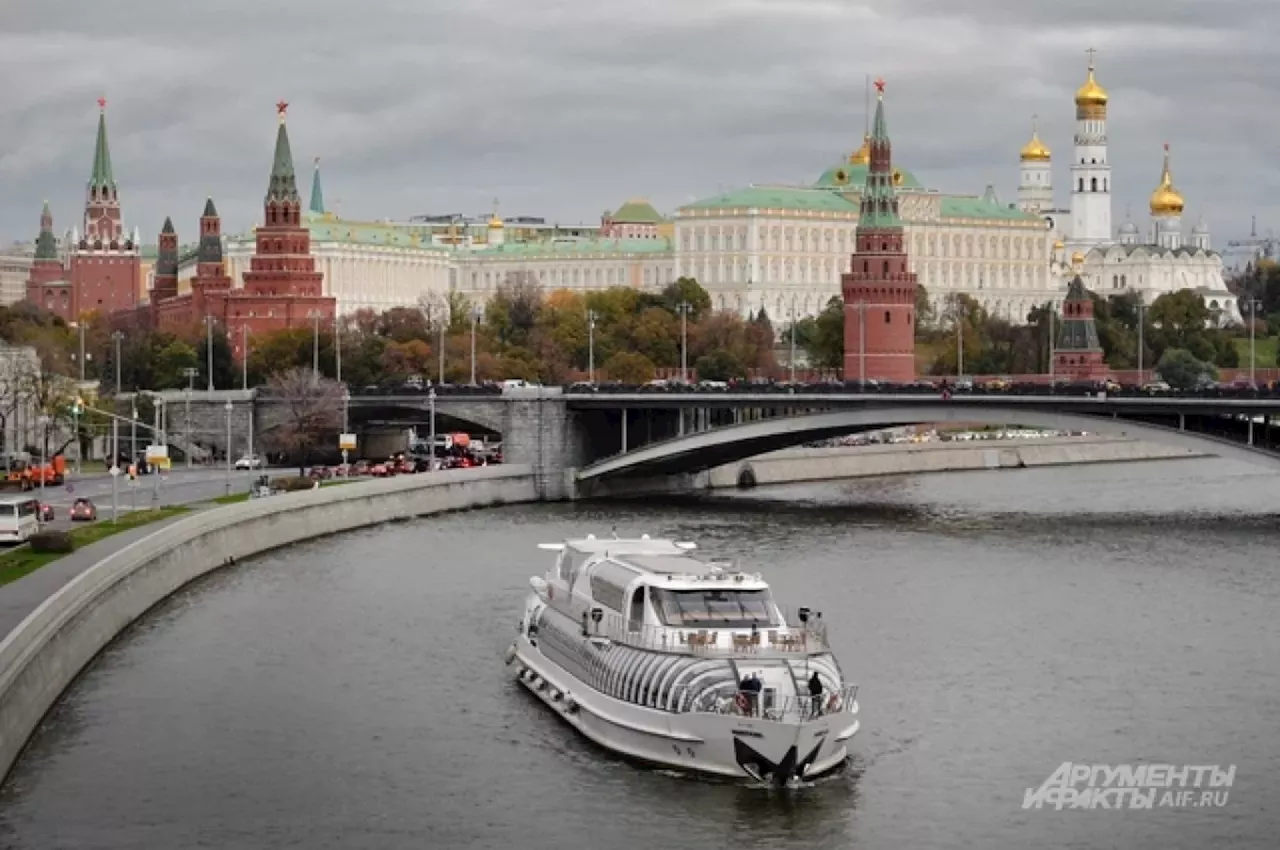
[(1092, 51)]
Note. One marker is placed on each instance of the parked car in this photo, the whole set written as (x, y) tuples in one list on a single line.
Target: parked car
[(46, 512), (320, 473), (83, 510), (360, 467), (249, 462), (379, 470)]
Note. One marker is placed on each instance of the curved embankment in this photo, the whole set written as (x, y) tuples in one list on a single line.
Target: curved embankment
[(798, 465), (45, 652)]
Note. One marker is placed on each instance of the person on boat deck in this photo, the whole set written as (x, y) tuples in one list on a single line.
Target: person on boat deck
[(752, 686), (815, 695)]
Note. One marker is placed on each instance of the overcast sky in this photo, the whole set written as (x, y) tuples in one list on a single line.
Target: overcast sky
[(563, 108)]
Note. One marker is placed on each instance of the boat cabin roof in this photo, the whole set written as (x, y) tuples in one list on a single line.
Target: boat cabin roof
[(665, 563)]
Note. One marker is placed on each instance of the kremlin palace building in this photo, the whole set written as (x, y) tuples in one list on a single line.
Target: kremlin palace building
[(778, 248)]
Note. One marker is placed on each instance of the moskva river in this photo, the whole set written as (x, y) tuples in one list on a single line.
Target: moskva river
[(350, 693)]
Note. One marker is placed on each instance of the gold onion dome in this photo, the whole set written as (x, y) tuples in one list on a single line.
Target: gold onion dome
[(1091, 94), (1077, 258), (1058, 245), (495, 222), (1166, 200), (862, 156), (1036, 150)]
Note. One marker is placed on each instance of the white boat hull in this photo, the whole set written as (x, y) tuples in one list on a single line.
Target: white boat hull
[(725, 745)]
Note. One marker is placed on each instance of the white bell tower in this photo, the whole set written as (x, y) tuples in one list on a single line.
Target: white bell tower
[(1090, 170)]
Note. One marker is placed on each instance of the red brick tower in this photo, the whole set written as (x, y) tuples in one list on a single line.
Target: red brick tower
[(282, 264), (1078, 352), (210, 272), (105, 266), (166, 281), (46, 283), (880, 291)]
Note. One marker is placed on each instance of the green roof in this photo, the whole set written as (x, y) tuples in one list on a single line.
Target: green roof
[(282, 186), (842, 175), (317, 194), (570, 248), (330, 228), (46, 242), (638, 211), (982, 208), (778, 197), (102, 178)]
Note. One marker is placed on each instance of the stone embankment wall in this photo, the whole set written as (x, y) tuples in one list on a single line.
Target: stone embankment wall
[(45, 653), (796, 465)]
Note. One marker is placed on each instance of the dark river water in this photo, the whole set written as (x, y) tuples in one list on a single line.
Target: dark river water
[(350, 693)]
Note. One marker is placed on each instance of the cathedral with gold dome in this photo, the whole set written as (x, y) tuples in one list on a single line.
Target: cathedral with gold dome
[(1110, 262)]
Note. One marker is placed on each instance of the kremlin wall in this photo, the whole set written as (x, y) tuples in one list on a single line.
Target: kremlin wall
[(868, 231)]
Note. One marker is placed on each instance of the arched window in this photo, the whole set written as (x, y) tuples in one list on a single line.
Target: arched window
[(1080, 188), (886, 317), (886, 267), (1093, 184)]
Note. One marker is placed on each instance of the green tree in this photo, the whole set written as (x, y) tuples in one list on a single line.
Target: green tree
[(170, 362), (226, 374), (689, 291), (1182, 370), (925, 314), (825, 345), (629, 368), (719, 366)]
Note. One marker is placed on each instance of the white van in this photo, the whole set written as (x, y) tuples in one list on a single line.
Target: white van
[(19, 519)]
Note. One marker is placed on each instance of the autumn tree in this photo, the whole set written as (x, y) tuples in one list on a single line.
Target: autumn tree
[(312, 414), (629, 368)]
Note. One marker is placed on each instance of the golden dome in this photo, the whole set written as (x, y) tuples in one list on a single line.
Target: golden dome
[(862, 156), (495, 223), (1166, 200), (1059, 245), (1077, 258), (1035, 150), (1091, 94)]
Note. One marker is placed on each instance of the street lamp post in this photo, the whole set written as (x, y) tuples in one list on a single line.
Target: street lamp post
[(1141, 343), (1052, 311), (862, 346), (431, 413), (591, 346), (684, 307), (959, 337), (1254, 304), (475, 322), (229, 447), (186, 432), (43, 421), (117, 337), (208, 346), (337, 350), (791, 358), (114, 469), (314, 315)]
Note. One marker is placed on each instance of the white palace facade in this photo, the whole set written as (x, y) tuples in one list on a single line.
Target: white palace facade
[(783, 248)]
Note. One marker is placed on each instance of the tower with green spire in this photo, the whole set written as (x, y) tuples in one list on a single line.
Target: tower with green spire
[(282, 264), (210, 273), (47, 268), (166, 279), (103, 227), (880, 289), (1077, 353), (317, 195)]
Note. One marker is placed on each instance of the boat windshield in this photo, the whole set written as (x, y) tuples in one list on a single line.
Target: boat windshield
[(716, 609)]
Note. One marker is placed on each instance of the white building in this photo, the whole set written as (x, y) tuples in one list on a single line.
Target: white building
[(1110, 262), (15, 268), (783, 248)]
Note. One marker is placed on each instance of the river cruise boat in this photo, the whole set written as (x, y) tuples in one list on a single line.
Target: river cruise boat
[(683, 663)]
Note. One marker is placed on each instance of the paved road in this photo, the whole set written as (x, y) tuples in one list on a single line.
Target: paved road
[(181, 486)]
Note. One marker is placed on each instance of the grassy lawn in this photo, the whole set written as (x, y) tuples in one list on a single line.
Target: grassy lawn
[(16, 564), (244, 497), (1264, 352)]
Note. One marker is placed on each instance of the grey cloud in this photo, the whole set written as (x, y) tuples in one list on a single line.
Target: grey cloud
[(566, 107)]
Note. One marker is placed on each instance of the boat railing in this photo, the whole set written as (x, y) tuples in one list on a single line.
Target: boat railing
[(764, 640), (769, 707)]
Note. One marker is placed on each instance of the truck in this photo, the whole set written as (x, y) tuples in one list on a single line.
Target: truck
[(25, 474)]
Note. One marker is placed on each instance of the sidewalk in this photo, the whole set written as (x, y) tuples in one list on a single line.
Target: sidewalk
[(23, 596)]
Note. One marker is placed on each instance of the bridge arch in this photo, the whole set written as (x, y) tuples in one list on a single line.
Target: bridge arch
[(729, 444)]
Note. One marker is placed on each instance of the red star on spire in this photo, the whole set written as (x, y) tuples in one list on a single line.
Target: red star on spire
[(1166, 147), (281, 107), (880, 85), (102, 103)]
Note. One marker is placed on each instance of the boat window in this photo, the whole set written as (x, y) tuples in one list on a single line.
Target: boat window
[(572, 567), (714, 608), (607, 593), (637, 610)]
